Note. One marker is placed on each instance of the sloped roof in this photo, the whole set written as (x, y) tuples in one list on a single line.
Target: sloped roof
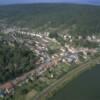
[(8, 85)]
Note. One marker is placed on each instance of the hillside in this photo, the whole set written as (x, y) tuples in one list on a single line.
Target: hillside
[(77, 19), (40, 43), (15, 58)]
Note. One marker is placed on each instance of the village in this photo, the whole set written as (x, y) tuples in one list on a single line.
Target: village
[(55, 58)]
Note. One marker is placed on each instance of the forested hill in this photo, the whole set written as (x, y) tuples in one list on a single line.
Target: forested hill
[(82, 19)]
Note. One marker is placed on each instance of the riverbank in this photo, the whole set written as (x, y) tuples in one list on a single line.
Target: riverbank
[(53, 88), (85, 87)]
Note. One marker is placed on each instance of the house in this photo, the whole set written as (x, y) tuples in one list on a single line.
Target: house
[(93, 37), (65, 37), (46, 33), (72, 50), (89, 38), (8, 88), (61, 54), (64, 60), (71, 40), (79, 37), (8, 85), (71, 57), (62, 49), (69, 36), (66, 45)]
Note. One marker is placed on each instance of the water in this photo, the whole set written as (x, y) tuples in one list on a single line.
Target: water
[(84, 87)]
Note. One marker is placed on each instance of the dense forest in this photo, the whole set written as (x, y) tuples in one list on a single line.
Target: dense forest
[(15, 60), (78, 19)]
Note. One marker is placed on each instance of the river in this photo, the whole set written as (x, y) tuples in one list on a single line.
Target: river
[(84, 87)]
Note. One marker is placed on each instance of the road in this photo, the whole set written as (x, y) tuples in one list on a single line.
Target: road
[(65, 79)]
